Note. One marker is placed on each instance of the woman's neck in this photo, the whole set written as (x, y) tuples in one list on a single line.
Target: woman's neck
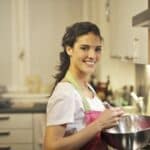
[(80, 77)]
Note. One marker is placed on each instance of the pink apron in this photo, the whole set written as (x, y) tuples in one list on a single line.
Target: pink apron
[(96, 143)]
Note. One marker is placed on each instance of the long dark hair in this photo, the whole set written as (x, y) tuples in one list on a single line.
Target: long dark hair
[(69, 38)]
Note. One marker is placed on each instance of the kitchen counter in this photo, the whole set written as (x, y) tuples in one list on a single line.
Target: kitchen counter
[(37, 108), (23, 102)]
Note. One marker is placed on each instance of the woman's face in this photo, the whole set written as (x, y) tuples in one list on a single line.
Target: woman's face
[(85, 53)]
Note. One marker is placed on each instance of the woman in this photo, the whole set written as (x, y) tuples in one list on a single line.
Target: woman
[(75, 115)]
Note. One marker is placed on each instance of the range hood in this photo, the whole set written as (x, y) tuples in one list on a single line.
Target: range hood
[(142, 19)]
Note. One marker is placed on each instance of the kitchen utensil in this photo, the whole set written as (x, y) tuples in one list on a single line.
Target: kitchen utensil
[(131, 133)]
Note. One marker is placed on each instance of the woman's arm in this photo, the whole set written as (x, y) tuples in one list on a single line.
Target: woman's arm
[(55, 140)]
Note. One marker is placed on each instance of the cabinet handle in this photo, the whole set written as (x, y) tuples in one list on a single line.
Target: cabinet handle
[(4, 118), (130, 58), (116, 57), (5, 148), (4, 133)]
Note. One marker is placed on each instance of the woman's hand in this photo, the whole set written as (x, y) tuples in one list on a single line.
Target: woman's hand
[(108, 118)]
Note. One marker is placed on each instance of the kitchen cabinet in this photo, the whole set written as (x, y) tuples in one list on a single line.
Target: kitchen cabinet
[(14, 130), (16, 147), (5, 42), (39, 123), (30, 32), (20, 131), (127, 42)]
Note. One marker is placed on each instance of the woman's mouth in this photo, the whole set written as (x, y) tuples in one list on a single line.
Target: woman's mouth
[(90, 63)]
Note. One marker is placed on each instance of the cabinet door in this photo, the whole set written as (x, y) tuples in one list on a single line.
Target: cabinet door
[(39, 124), (16, 136), (140, 45), (5, 42), (138, 48), (16, 147), (115, 29), (120, 29), (15, 121), (46, 32), (128, 42)]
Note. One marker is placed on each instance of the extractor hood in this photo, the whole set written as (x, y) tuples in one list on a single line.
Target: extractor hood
[(142, 19)]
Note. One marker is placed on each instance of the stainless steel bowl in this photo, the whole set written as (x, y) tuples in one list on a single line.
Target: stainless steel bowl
[(131, 133)]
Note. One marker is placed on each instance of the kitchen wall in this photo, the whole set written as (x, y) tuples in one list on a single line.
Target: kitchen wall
[(47, 20)]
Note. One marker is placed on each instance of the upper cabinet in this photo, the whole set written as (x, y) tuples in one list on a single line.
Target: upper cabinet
[(30, 38), (128, 43), (5, 42)]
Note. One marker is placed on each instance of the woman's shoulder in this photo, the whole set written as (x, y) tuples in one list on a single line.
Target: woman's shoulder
[(64, 92), (64, 88)]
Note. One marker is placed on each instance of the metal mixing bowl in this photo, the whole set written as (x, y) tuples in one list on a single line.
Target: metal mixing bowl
[(131, 133)]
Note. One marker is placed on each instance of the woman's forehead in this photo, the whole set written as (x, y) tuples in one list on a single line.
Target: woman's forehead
[(89, 38)]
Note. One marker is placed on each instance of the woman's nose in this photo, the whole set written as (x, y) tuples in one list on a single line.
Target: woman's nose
[(91, 53)]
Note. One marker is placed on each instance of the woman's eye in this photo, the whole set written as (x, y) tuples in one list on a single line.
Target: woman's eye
[(98, 49), (84, 48)]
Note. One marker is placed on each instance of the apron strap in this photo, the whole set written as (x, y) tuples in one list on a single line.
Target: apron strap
[(71, 79)]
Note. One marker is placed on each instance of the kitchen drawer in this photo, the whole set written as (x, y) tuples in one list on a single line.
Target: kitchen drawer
[(15, 121), (16, 136), (16, 147)]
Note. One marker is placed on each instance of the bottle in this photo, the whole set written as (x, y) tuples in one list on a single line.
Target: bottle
[(109, 93)]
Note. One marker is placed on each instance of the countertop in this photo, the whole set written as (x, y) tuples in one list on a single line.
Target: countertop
[(37, 108), (14, 102)]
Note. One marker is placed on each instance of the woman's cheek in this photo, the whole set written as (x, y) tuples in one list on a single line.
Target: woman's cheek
[(98, 57)]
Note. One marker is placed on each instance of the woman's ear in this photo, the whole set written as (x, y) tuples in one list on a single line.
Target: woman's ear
[(69, 50)]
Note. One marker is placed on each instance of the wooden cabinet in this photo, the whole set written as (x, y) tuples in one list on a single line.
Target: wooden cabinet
[(22, 131), (39, 123), (15, 121), (16, 131), (5, 42), (128, 43), (16, 147), (31, 31)]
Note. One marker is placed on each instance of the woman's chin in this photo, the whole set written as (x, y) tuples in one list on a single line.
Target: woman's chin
[(89, 70)]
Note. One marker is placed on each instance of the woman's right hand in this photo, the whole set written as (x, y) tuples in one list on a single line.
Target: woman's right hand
[(108, 118)]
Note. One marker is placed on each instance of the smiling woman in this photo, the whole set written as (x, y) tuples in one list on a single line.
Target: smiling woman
[(75, 115), (85, 53)]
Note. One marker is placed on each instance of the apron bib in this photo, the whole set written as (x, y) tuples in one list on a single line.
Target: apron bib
[(96, 143)]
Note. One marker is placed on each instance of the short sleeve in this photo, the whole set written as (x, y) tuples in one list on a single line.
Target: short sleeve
[(61, 105)]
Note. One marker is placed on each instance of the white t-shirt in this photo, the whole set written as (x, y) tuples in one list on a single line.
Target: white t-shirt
[(65, 107)]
